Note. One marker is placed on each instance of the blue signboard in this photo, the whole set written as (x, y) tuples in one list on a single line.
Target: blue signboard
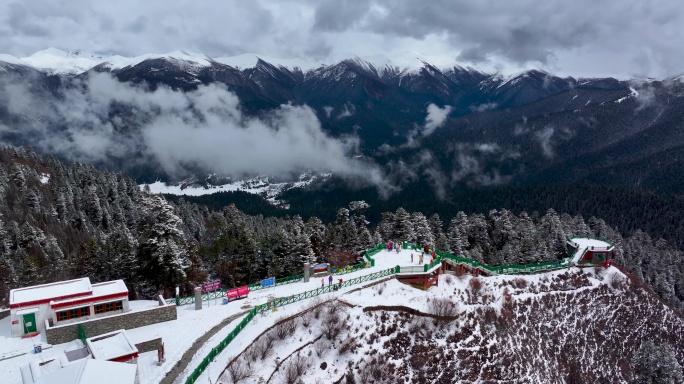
[(270, 282)]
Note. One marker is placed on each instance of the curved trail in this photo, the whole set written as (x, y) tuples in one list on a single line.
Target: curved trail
[(180, 366)]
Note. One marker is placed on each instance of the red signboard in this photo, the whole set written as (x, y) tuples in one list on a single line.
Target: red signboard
[(211, 286), (236, 293), (15, 322)]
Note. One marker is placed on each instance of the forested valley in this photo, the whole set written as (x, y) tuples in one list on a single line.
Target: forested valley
[(61, 221)]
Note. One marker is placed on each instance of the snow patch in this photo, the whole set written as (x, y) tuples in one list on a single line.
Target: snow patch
[(55, 61), (249, 60), (259, 186)]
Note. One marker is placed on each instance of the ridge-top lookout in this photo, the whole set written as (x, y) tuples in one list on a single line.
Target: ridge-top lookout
[(591, 251)]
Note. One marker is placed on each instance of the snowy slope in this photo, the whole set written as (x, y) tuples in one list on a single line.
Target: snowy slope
[(249, 60), (55, 61), (259, 186), (539, 328), (11, 59)]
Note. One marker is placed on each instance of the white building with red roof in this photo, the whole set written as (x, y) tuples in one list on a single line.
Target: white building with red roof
[(64, 302)]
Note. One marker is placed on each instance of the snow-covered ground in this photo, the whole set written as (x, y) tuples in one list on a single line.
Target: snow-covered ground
[(180, 334), (358, 325)]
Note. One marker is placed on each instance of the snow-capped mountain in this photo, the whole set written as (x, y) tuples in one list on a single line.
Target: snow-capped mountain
[(55, 61), (537, 126)]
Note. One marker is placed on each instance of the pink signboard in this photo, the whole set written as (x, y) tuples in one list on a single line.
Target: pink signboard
[(237, 293), (211, 286)]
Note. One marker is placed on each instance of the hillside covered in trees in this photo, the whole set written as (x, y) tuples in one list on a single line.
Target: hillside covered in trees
[(65, 221)]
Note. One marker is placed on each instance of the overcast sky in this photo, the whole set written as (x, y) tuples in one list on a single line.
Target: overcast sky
[(580, 37)]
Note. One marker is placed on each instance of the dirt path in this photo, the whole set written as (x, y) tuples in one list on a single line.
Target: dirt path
[(180, 366)]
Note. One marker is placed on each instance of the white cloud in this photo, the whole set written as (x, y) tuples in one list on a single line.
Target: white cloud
[(483, 107), (616, 38), (544, 138), (435, 118), (182, 131)]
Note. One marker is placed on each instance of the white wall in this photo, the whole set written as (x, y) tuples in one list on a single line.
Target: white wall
[(42, 314)]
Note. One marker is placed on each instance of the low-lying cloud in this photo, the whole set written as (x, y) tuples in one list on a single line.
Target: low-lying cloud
[(182, 131), (544, 138), (435, 118)]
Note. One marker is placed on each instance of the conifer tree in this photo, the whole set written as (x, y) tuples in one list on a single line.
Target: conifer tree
[(457, 237), (656, 363), (402, 228), (385, 227), (162, 251), (342, 234), (421, 230), (301, 245), (315, 229)]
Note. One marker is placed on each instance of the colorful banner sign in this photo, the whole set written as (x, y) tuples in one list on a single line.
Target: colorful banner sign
[(211, 286), (270, 282), (237, 293)]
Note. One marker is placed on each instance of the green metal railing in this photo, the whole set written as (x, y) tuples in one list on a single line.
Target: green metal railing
[(506, 269), (326, 289), (220, 347), (373, 251), (289, 279), (412, 269), (350, 268), (192, 378), (368, 255), (191, 299), (435, 262), (279, 281)]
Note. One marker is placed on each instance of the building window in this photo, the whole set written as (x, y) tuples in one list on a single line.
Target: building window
[(73, 313), (108, 307)]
